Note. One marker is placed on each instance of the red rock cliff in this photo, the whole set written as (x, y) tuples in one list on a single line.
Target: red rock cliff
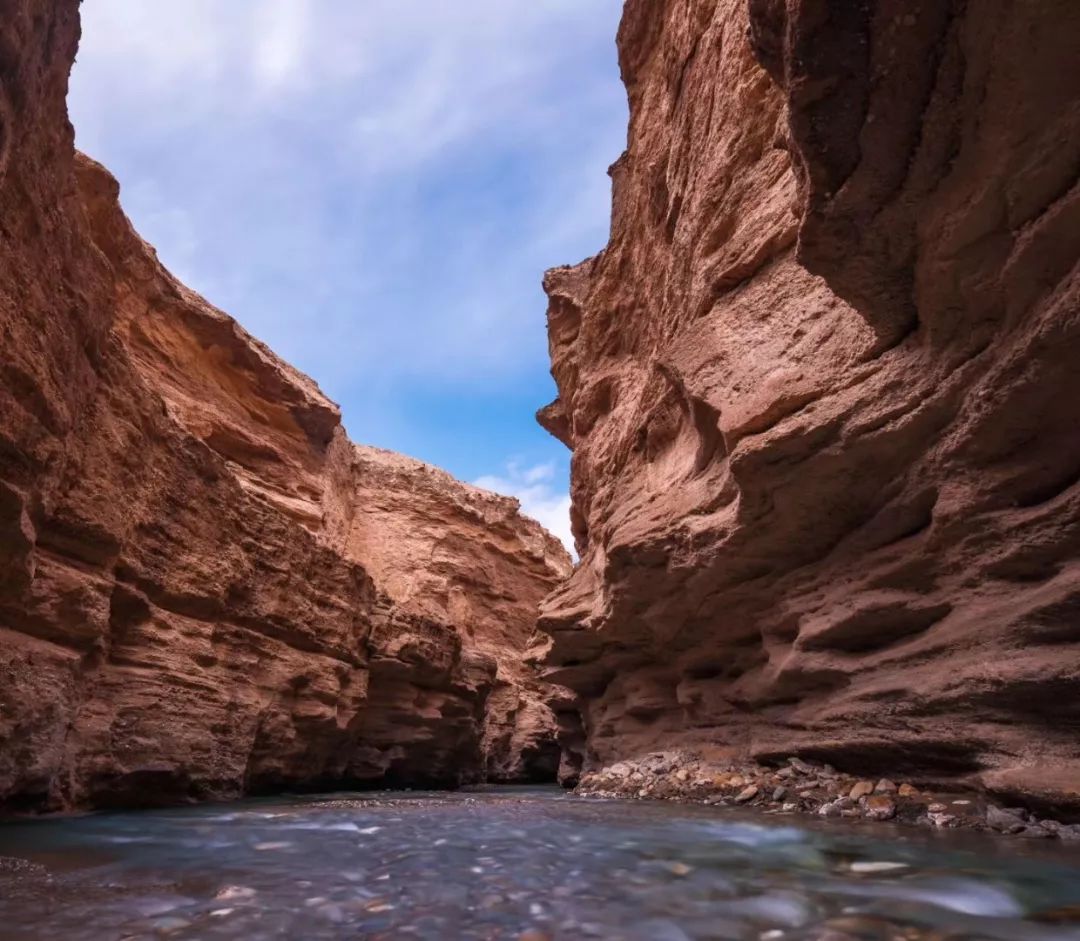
[(205, 588), (823, 395)]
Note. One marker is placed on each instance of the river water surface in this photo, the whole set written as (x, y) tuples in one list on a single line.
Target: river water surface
[(527, 864)]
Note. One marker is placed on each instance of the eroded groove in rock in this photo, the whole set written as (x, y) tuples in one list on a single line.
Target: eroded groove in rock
[(849, 238), (205, 588)]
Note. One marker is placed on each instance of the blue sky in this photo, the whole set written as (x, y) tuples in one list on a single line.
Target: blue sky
[(374, 188)]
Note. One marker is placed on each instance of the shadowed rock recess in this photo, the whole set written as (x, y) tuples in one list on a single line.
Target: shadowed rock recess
[(823, 394), (205, 588)]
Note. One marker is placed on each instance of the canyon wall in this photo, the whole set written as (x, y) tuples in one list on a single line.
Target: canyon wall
[(822, 390), (205, 588)]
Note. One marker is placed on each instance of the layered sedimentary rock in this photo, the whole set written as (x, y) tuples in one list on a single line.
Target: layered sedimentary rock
[(822, 393), (205, 588)]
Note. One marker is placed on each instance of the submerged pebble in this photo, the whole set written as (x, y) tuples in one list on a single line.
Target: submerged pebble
[(528, 865)]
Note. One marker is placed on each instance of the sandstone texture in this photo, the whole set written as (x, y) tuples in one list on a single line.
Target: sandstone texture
[(823, 395), (205, 588)]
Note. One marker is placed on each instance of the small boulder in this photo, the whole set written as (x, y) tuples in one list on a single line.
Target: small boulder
[(1004, 821), (747, 794), (862, 789), (880, 807)]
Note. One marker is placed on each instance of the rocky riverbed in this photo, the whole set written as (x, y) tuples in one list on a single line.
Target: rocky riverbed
[(802, 787), (521, 864)]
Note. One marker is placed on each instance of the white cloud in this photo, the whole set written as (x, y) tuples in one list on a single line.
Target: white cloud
[(280, 32), (432, 156), (540, 498), (374, 189)]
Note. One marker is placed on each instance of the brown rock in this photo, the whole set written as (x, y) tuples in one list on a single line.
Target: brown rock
[(880, 807), (862, 789), (205, 588), (747, 794), (821, 391)]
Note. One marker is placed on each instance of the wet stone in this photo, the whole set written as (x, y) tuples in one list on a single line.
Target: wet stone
[(1005, 821), (880, 807)]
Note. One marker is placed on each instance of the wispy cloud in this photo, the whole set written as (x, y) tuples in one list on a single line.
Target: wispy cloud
[(542, 495), (374, 189)]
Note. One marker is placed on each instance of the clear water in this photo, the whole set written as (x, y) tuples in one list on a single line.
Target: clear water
[(520, 864)]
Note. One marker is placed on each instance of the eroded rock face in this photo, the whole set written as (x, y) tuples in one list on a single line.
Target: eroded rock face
[(822, 393), (205, 588)]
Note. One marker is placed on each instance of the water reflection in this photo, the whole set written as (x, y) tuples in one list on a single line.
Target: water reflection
[(520, 864)]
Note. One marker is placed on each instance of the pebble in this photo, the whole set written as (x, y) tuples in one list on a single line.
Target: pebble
[(880, 807), (231, 892), (868, 867), (1004, 821), (678, 869), (885, 786), (908, 790), (862, 789), (748, 794)]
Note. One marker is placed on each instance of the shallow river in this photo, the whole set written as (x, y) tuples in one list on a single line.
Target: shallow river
[(514, 863)]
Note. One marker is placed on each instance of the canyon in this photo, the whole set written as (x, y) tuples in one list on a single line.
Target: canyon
[(206, 589), (822, 396), (821, 390)]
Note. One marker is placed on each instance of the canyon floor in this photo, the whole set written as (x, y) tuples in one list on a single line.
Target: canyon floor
[(522, 864)]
